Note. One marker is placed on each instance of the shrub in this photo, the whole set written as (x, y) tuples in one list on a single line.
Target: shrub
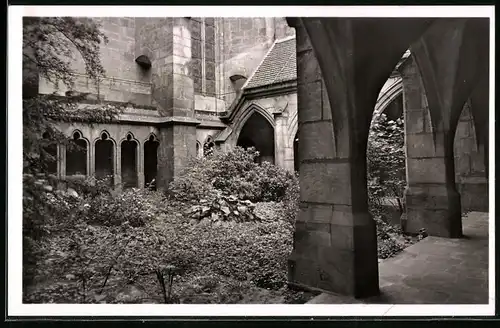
[(232, 173), (386, 162), (134, 206)]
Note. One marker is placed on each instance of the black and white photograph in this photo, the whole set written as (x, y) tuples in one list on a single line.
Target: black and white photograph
[(293, 159)]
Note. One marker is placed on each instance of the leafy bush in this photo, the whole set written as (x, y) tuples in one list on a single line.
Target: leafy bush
[(134, 206), (233, 173), (386, 162), (386, 180)]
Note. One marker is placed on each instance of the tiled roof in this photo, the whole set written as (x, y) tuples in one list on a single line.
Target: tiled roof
[(279, 65)]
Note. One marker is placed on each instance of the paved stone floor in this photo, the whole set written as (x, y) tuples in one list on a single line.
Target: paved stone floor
[(434, 271)]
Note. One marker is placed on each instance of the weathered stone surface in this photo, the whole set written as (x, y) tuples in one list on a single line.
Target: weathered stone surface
[(320, 182), (439, 214), (317, 141)]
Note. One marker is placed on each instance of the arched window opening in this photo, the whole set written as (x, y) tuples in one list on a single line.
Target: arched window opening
[(386, 164), (129, 162), (258, 133), (150, 162), (76, 155), (49, 154), (199, 150), (104, 158), (208, 146), (296, 159)]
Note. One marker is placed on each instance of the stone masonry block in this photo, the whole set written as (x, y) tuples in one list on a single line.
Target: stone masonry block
[(315, 213), (327, 112), (182, 50), (307, 68), (474, 196), (302, 38), (462, 164), (414, 121), (422, 145), (195, 27), (477, 163), (463, 129), (209, 34), (309, 99), (412, 96), (183, 87), (322, 181), (436, 222), (466, 145), (427, 170)]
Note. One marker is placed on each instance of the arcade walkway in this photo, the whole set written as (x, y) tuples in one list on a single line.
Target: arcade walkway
[(434, 270)]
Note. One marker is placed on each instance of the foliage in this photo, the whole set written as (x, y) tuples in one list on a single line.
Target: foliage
[(96, 256), (50, 45), (386, 161), (235, 173), (386, 181)]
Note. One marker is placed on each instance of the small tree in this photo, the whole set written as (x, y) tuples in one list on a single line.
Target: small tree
[(49, 46), (386, 161)]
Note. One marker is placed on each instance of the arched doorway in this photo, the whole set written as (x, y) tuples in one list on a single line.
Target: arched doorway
[(150, 160), (129, 162), (258, 133), (104, 158)]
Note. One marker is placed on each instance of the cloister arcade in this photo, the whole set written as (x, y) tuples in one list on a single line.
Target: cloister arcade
[(335, 245)]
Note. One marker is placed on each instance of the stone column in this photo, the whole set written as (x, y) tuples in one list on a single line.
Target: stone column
[(167, 41), (432, 201), (177, 145), (280, 139), (140, 164), (450, 58), (117, 169), (62, 161), (90, 158), (469, 164), (335, 247)]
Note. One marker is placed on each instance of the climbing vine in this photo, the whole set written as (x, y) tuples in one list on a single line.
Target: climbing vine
[(50, 45)]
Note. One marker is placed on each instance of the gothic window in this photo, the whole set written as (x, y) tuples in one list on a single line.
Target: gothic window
[(203, 53), (129, 162), (150, 161), (76, 155), (104, 158)]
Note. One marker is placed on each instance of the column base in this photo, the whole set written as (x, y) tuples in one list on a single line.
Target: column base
[(435, 208), (335, 258)]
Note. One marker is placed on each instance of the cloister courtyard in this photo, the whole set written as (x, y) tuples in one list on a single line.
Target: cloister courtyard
[(256, 160)]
